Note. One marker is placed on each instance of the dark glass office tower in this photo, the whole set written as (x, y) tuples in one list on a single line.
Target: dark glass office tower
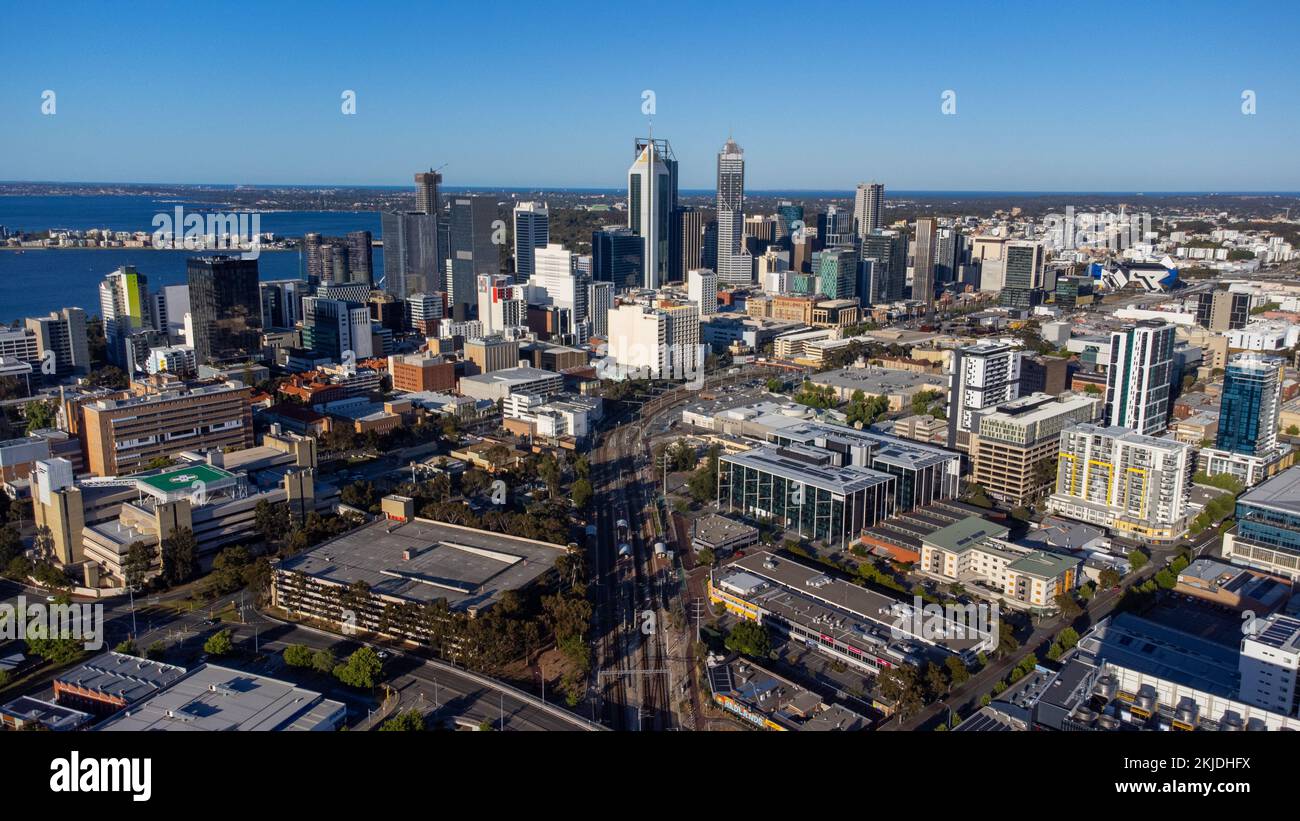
[(616, 256), (688, 241), (472, 252), (225, 308), (361, 264), (887, 251)]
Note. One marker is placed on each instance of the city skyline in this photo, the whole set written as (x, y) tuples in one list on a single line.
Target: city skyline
[(1021, 122)]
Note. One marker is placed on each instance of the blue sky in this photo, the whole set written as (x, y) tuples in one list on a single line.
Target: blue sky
[(1049, 96)]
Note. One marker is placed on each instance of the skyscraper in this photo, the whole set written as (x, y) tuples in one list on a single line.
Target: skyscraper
[(651, 200), (948, 255), (982, 376), (869, 208), (923, 262), (126, 308), (361, 266), (426, 192), (532, 231), (473, 251), (1138, 382), (225, 308), (413, 258), (837, 272), (887, 253), (334, 328), (1250, 405), (688, 227), (617, 257), (835, 227), (734, 265)]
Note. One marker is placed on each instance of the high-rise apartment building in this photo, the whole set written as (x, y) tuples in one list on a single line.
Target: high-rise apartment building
[(688, 229), (225, 308), (125, 308), (655, 343), (1137, 486), (835, 227), (982, 376), (532, 231), (61, 336), (868, 208), (1139, 378), (427, 198), (1024, 276), (600, 301)]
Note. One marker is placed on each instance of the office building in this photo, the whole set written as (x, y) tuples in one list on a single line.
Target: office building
[(734, 265), (1139, 379), (923, 255), (868, 208), (282, 302), (1136, 485), (834, 227), (702, 289), (492, 353), (225, 308), (1223, 311), (1024, 276), (415, 373), (651, 200), (1013, 447), (473, 224), (1246, 444), (802, 489), (122, 436), (600, 301), (836, 272), (981, 376), (532, 230), (688, 230), (424, 312), (337, 330), (885, 279), (499, 306), (617, 256), (427, 198), (1267, 533)]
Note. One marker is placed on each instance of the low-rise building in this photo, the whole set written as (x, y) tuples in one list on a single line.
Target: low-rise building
[(1013, 447), (975, 552)]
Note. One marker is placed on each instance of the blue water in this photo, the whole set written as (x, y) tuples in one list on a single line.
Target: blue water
[(35, 282)]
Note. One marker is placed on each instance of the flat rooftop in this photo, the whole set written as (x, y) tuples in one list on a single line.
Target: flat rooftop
[(469, 568), (1282, 492), (218, 699), (1142, 645), (715, 529), (810, 597), (801, 464), (181, 479)]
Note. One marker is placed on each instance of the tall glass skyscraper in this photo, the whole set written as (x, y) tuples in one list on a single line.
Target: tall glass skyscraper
[(532, 231), (651, 200), (225, 308), (1250, 404), (734, 265), (473, 252)]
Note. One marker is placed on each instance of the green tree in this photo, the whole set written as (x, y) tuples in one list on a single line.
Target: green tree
[(179, 557), (219, 643), (138, 564), (228, 569), (582, 493), (298, 655), (749, 638), (39, 415), (900, 686), (361, 670), (407, 721), (322, 661), (1137, 559), (1108, 578)]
